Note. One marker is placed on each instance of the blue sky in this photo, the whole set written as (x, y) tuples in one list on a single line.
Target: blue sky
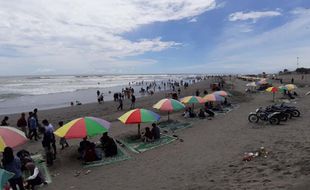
[(163, 36)]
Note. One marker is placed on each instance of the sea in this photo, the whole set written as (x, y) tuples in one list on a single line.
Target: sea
[(24, 93)]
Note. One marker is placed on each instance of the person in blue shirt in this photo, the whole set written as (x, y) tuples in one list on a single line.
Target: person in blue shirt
[(33, 127), (13, 164)]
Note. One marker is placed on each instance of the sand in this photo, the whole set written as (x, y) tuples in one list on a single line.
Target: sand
[(209, 157)]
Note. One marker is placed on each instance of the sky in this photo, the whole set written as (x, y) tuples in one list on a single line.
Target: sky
[(47, 37)]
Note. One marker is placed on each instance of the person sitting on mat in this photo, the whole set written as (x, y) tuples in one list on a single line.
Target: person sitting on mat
[(148, 136), (36, 177), (83, 145), (90, 153), (201, 114), (155, 131), (108, 145)]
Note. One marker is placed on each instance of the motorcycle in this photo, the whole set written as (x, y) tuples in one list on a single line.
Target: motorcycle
[(285, 114), (261, 114), (295, 112)]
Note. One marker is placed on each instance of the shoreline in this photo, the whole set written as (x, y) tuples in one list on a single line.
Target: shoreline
[(63, 99), (208, 157)]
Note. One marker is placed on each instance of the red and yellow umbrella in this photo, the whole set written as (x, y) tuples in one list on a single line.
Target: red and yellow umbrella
[(169, 105), (137, 116), (82, 127), (11, 137), (273, 90)]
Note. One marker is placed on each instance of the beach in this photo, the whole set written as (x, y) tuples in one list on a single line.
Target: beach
[(206, 156)]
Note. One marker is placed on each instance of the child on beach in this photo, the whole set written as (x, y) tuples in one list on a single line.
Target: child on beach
[(22, 124), (5, 121), (63, 142)]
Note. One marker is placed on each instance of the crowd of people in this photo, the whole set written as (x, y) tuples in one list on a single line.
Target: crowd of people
[(87, 151)]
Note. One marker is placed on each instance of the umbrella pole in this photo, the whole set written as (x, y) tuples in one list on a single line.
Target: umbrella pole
[(168, 115), (139, 132), (273, 94)]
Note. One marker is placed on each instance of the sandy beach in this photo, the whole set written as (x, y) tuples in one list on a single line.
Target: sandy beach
[(208, 156)]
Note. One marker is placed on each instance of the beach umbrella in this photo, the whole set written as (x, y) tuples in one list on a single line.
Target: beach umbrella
[(291, 87), (11, 137), (82, 127), (192, 100), (282, 88), (222, 93), (273, 90), (138, 116), (169, 105), (4, 177), (213, 98)]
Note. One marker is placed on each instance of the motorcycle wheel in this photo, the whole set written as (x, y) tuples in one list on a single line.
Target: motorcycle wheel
[(274, 121), (296, 113), (253, 118)]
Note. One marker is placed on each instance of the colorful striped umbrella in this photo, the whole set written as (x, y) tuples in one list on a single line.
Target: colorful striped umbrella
[(213, 98), (192, 100), (282, 88), (222, 93), (169, 105), (137, 116), (9, 136), (82, 127), (273, 90), (4, 177)]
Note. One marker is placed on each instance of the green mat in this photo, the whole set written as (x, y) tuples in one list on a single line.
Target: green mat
[(121, 156), (138, 146), (173, 126), (40, 163)]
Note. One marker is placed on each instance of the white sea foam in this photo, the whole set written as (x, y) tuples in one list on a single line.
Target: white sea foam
[(40, 85)]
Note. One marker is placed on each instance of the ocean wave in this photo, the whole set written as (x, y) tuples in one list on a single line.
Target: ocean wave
[(42, 85)]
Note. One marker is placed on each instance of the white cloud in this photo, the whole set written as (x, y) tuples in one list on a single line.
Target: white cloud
[(253, 15), (193, 20), (254, 52), (79, 32)]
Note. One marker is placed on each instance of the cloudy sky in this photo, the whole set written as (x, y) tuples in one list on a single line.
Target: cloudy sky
[(144, 36)]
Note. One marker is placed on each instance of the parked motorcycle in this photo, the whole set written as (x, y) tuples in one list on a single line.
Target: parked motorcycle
[(274, 118), (295, 112), (285, 113)]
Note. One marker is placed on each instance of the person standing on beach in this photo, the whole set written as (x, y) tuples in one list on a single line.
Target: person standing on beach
[(22, 124), (133, 101), (120, 106), (33, 127), (98, 96), (49, 128), (292, 80), (35, 114), (5, 121)]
